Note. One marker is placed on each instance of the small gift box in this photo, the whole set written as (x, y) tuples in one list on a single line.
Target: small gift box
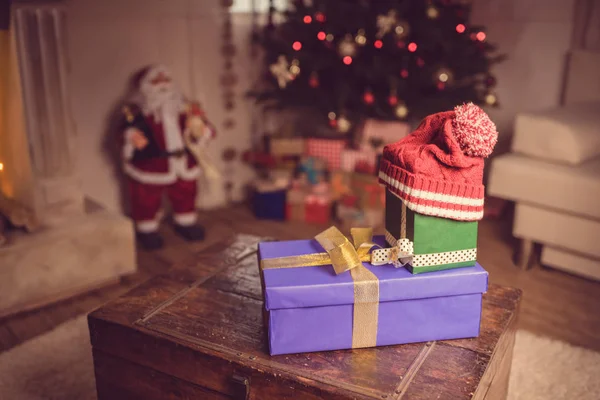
[(282, 146), (329, 150), (369, 190), (434, 187), (364, 161), (331, 293), (317, 210), (295, 209), (269, 199), (438, 243)]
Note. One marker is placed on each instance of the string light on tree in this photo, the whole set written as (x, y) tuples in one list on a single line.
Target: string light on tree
[(313, 81), (402, 30), (332, 119), (368, 97), (343, 124), (360, 38), (307, 19), (444, 76), (412, 47), (480, 36), (393, 97), (404, 73), (321, 35), (378, 44), (281, 71), (320, 17), (432, 12), (490, 81), (297, 46), (347, 46), (491, 99), (329, 37), (295, 68), (347, 60), (460, 28), (401, 111)]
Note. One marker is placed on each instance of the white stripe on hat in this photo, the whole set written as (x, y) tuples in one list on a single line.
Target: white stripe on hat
[(433, 210), (425, 195)]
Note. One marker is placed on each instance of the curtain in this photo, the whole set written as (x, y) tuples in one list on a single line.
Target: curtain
[(15, 176), (586, 26)]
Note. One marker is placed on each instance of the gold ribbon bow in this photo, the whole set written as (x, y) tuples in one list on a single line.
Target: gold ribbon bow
[(346, 256)]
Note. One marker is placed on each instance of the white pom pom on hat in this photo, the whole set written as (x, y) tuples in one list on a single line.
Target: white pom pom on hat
[(474, 130)]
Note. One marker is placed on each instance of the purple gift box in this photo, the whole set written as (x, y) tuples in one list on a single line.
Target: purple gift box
[(311, 308)]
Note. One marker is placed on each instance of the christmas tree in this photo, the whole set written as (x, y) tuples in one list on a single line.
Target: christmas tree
[(385, 59)]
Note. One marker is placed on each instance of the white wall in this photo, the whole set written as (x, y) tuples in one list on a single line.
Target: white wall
[(535, 34), (111, 39)]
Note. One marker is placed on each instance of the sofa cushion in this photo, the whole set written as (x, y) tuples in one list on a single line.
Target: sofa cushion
[(567, 231), (572, 189), (568, 134)]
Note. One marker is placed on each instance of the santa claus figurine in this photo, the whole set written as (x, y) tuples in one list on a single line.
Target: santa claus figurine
[(160, 142)]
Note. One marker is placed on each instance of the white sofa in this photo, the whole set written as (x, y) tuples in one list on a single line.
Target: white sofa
[(553, 175)]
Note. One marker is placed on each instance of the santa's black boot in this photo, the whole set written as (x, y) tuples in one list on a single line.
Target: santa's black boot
[(190, 233), (150, 240)]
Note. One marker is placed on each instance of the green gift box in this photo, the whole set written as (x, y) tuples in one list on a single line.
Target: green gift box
[(434, 188), (438, 243)]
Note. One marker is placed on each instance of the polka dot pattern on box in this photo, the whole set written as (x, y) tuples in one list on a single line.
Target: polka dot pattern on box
[(448, 257)]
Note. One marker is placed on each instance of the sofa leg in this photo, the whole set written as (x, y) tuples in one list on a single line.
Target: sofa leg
[(523, 259)]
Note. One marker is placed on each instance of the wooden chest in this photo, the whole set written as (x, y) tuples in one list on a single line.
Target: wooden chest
[(197, 333)]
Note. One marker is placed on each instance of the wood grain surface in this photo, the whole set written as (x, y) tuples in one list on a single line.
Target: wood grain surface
[(201, 324)]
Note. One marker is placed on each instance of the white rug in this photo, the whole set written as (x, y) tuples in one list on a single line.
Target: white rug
[(58, 366)]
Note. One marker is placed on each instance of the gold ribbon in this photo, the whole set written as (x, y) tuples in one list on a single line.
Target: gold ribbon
[(345, 256), (192, 134)]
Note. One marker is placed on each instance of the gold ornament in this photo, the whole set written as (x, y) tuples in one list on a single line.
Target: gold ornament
[(385, 23), (295, 68), (402, 30), (432, 12), (401, 110), (491, 99), (347, 47), (343, 124), (281, 71), (443, 75), (360, 38)]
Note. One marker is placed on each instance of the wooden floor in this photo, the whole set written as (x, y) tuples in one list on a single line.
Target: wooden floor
[(554, 304)]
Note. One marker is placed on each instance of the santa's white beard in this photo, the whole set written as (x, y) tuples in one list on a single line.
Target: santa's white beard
[(162, 98), (165, 104)]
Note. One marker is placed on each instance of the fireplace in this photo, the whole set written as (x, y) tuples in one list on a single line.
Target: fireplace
[(79, 245)]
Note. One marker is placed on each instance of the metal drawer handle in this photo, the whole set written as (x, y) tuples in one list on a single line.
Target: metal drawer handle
[(242, 387)]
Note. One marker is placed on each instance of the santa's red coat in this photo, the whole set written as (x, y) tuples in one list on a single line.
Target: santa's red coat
[(160, 169)]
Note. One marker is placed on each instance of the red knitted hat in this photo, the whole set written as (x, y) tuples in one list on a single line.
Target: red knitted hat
[(438, 169)]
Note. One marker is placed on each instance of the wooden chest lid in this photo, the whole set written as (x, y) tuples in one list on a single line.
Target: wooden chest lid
[(202, 323)]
